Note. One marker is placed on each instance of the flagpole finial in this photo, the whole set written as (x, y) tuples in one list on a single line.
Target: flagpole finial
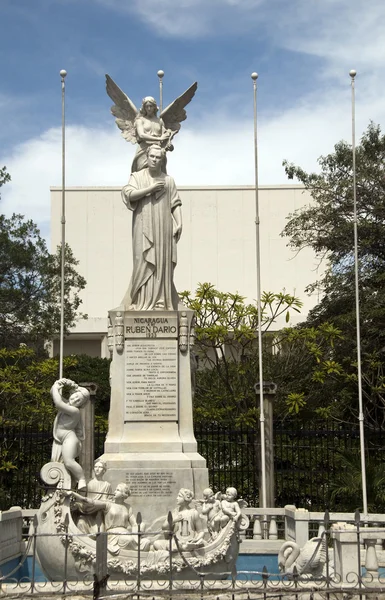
[(160, 74), (63, 73), (352, 73), (254, 76)]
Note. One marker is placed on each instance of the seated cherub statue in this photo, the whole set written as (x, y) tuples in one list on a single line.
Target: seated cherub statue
[(230, 509), (211, 507)]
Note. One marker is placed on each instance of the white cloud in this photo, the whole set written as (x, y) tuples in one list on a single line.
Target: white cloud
[(189, 18), (219, 152)]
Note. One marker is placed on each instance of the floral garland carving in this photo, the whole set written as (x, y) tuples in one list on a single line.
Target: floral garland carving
[(85, 559)]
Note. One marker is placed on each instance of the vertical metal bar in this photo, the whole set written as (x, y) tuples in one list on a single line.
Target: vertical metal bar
[(254, 77), (66, 523), (352, 74), (160, 76), (139, 522), (326, 533), (357, 518), (170, 526), (63, 75), (34, 554)]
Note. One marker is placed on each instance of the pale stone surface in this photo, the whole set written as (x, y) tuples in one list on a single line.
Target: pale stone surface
[(150, 442), (144, 127), (310, 559), (90, 519), (156, 229), (80, 552), (217, 245), (68, 428)]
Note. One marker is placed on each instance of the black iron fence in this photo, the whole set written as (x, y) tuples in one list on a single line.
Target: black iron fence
[(310, 462)]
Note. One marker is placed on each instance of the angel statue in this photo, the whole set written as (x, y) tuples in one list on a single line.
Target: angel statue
[(143, 126)]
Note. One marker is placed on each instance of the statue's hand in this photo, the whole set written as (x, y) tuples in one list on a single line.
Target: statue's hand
[(158, 186), (177, 232)]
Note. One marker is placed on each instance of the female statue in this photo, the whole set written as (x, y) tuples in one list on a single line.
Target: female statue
[(187, 525), (97, 489), (144, 127)]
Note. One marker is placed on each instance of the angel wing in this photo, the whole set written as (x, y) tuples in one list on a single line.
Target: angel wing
[(242, 503), (175, 113), (124, 110)]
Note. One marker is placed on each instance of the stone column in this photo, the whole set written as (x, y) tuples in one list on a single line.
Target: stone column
[(345, 552), (86, 457), (269, 391)]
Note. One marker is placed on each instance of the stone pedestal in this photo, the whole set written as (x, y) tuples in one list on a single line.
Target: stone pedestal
[(150, 443)]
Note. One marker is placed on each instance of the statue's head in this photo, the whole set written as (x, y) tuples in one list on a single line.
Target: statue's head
[(208, 493), (184, 495), (79, 397), (123, 490), (148, 106), (100, 466), (158, 148), (231, 493)]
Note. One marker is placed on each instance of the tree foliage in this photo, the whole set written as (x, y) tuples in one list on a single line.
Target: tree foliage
[(26, 379), (227, 349), (4, 176), (327, 227), (30, 285)]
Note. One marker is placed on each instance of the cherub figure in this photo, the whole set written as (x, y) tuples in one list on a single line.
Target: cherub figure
[(68, 428), (211, 507), (144, 127), (230, 509)]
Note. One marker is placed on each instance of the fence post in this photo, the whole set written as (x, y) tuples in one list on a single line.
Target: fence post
[(269, 391), (87, 453), (100, 576), (297, 524), (345, 551)]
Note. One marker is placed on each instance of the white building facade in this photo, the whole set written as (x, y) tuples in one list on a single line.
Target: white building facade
[(218, 245)]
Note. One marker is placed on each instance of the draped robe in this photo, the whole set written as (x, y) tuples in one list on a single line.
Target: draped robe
[(153, 244)]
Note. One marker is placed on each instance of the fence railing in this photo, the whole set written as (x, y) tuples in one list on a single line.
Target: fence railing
[(308, 461), (353, 553)]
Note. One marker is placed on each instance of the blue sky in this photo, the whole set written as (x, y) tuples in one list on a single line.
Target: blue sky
[(302, 50)]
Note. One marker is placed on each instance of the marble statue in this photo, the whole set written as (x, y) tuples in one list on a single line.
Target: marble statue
[(89, 520), (193, 551), (211, 508), (119, 520), (144, 127), (68, 428), (188, 526), (230, 509), (310, 559), (156, 229)]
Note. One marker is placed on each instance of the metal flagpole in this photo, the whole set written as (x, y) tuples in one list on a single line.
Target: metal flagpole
[(352, 74), (254, 77), (63, 75), (160, 75)]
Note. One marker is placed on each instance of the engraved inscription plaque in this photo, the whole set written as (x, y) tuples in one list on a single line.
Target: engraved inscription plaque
[(151, 327), (151, 386), (151, 483)]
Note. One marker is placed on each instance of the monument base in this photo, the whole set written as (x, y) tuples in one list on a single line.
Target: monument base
[(150, 444), (155, 479)]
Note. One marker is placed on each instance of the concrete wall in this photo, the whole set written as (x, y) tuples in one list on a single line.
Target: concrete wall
[(217, 244)]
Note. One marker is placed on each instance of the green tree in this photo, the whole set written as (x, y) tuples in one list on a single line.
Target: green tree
[(327, 227), (26, 404), (4, 176), (30, 285), (226, 333)]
